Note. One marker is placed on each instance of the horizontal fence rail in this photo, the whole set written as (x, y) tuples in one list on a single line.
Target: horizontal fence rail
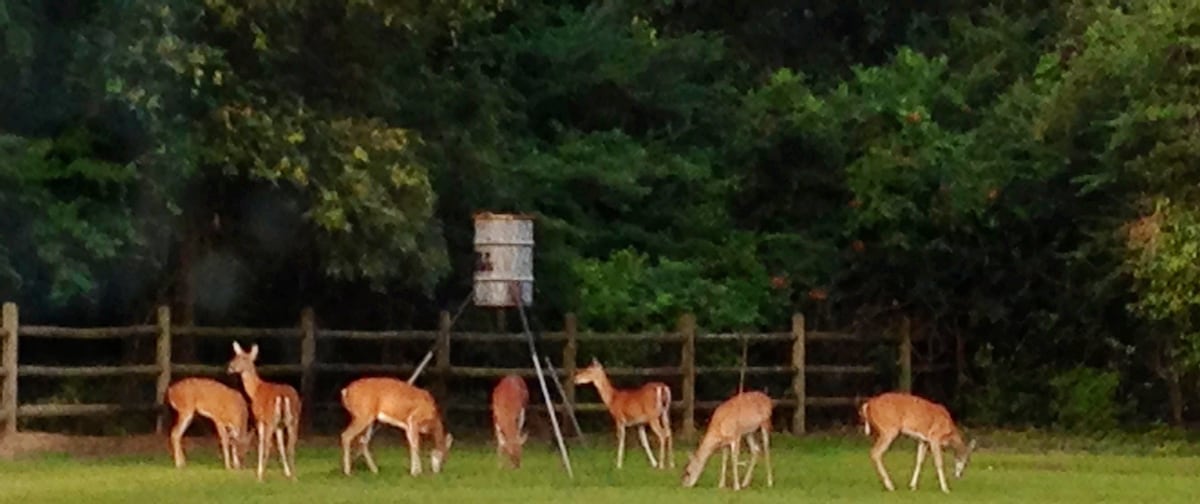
[(163, 370)]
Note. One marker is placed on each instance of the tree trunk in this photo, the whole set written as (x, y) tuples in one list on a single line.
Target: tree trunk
[(1175, 397), (1164, 367)]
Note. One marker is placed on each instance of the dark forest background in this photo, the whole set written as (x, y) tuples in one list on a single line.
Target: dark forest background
[(1018, 176)]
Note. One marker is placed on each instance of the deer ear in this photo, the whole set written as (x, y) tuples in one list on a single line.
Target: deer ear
[(595, 361), (237, 349), (254, 352)]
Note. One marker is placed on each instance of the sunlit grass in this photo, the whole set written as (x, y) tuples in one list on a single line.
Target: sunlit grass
[(806, 470)]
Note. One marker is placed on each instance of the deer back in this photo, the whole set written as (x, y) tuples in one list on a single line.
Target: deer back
[(910, 415)]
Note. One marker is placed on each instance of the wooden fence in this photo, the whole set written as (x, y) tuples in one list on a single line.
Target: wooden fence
[(306, 334)]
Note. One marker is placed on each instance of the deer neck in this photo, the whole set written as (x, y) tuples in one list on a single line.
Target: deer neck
[(956, 443), (439, 435), (251, 382), (605, 389), (700, 458)]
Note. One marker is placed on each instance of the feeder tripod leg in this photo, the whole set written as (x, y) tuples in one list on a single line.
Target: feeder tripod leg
[(429, 355), (562, 447), (421, 366), (537, 366), (570, 408)]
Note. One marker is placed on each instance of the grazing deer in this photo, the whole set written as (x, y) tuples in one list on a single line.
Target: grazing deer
[(891, 414), (213, 400), (276, 408), (648, 405), (509, 399), (399, 404), (737, 417)]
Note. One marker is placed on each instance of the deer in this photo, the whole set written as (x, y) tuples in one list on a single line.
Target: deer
[(399, 404), (276, 408), (893, 413), (736, 418), (224, 406), (509, 399), (649, 404)]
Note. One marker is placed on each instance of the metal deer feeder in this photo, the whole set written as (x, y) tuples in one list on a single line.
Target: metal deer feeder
[(504, 260), (504, 279)]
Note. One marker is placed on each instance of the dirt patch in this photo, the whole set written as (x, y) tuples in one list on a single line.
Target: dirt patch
[(34, 443), (25, 444)]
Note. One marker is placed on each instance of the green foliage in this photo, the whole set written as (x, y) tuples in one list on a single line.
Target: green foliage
[(628, 291), (67, 214), (370, 196), (1085, 400), (1017, 175)]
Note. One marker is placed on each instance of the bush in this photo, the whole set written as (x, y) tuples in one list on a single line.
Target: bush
[(1085, 400)]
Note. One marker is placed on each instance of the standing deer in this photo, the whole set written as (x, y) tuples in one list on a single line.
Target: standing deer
[(891, 414), (276, 408), (509, 399), (648, 405), (399, 404), (213, 400), (734, 419)]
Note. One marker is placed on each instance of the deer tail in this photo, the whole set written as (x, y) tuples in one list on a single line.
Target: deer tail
[(862, 412), (664, 401)]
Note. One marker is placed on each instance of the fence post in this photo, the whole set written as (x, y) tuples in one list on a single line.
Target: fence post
[(163, 359), (687, 365), (308, 355), (570, 350), (798, 379), (443, 354), (11, 324), (905, 355)]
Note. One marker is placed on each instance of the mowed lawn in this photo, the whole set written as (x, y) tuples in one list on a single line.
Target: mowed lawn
[(822, 469)]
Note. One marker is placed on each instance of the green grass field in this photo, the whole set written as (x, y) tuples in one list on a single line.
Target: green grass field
[(821, 469)]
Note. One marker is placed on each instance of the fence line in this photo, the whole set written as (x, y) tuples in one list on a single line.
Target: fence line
[(164, 369)]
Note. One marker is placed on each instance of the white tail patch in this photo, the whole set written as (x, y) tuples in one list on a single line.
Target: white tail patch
[(664, 399), (287, 411), (866, 420)]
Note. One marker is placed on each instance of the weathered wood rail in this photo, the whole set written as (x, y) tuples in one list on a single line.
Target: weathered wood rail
[(164, 370)]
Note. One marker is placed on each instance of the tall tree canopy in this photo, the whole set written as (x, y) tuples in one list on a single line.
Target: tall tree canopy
[(1017, 178)]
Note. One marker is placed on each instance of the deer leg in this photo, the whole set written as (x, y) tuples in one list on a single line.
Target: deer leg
[(664, 436), (223, 438), (646, 445), (283, 456), (766, 439), (753, 459), (181, 425), (882, 443), (235, 448), (670, 446), (736, 448), (353, 432), (263, 435), (365, 447), (912, 485), (620, 444), (414, 449), (499, 445), (724, 466), (937, 461), (293, 435)]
